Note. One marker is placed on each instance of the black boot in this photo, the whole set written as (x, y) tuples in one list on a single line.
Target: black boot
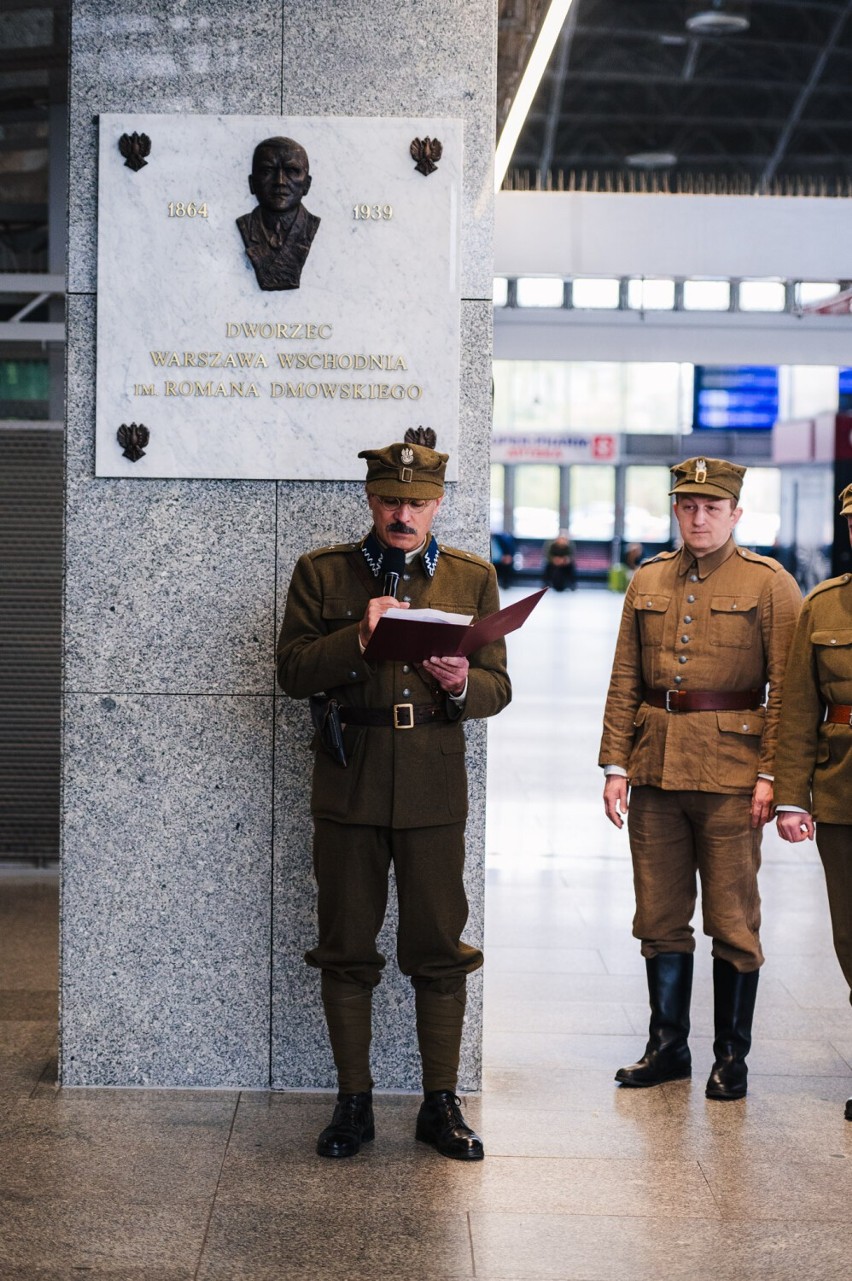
[(351, 1125), (733, 1010), (440, 1122), (666, 1056), (847, 1111)]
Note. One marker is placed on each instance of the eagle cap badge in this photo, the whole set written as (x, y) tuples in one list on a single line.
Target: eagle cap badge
[(700, 471)]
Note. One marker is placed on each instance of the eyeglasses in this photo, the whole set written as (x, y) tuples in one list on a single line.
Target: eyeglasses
[(394, 504)]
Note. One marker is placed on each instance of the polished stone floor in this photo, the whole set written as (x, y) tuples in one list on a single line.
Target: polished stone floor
[(582, 1182)]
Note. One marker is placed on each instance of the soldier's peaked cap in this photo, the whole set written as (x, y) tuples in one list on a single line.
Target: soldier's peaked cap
[(708, 478), (410, 468), (845, 497)]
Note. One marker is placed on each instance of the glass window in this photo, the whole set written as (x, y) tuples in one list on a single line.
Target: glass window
[(706, 295), (760, 501), (536, 500), (652, 399), (554, 395), (812, 389), (498, 489), (592, 497), (594, 292), (540, 291), (762, 295), (650, 295), (647, 505), (530, 395), (811, 291), (501, 291)]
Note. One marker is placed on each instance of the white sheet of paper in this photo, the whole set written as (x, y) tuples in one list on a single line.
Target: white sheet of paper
[(428, 616)]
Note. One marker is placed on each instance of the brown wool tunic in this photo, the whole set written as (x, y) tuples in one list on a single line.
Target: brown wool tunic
[(813, 764), (723, 623), (394, 778)]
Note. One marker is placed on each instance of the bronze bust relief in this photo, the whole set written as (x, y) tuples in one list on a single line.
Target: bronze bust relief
[(279, 231)]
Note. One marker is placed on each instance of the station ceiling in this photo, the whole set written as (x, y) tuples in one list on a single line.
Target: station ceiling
[(652, 91), (634, 95)]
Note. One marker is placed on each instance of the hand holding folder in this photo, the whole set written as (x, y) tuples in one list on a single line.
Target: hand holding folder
[(407, 636)]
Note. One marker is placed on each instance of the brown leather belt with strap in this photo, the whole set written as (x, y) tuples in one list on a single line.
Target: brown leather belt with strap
[(838, 714), (400, 716), (704, 700)]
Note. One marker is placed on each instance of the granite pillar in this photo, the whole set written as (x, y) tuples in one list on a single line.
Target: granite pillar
[(187, 893)]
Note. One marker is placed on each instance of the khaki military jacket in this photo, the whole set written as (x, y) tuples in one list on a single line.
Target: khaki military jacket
[(394, 778), (722, 623), (813, 763)]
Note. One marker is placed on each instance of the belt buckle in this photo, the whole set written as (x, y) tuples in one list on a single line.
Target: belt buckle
[(672, 693), (407, 708)]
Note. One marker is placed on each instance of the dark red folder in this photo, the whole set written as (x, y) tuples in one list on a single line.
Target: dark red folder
[(411, 640)]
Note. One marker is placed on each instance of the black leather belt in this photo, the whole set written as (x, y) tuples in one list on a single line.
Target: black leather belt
[(704, 700), (400, 716)]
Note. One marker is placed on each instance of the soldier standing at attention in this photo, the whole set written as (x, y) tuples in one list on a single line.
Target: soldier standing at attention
[(813, 764), (688, 729), (402, 797)]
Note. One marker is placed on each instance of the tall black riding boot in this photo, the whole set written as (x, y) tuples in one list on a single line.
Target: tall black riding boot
[(733, 1010), (666, 1056), (348, 1013)]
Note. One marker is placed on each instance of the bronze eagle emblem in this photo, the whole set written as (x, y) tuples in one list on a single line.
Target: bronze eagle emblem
[(135, 147), (133, 440), (426, 152)]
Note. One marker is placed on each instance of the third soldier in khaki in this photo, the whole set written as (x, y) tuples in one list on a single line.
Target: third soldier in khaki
[(814, 762), (690, 732)]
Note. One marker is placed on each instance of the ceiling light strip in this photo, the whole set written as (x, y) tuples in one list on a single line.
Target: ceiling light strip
[(528, 87)]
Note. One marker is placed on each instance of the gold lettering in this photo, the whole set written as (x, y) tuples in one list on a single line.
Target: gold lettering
[(301, 329)]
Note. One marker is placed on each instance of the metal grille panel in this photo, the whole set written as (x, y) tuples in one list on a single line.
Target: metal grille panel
[(30, 629)]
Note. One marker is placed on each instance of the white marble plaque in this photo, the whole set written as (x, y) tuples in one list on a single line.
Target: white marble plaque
[(341, 352)]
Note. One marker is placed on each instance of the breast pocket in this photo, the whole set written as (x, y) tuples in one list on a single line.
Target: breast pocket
[(341, 611), (833, 654), (733, 620), (651, 613)]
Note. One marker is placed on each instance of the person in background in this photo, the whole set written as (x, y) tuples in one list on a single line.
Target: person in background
[(503, 557), (560, 569)]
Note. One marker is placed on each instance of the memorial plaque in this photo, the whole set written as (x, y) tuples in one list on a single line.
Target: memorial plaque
[(274, 293)]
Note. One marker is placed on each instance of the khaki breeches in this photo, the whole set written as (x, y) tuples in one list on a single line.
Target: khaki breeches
[(352, 865), (834, 842), (677, 836)]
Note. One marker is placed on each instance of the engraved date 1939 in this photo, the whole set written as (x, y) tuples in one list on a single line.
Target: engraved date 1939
[(372, 213)]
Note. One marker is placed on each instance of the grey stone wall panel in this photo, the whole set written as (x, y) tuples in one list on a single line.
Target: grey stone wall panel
[(166, 891)]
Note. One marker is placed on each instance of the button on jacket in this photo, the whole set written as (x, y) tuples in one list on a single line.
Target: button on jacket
[(394, 778), (721, 623), (813, 764)]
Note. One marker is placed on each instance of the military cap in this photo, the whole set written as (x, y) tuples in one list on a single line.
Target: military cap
[(406, 469), (708, 478), (845, 497)]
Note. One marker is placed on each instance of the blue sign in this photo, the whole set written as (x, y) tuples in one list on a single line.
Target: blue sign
[(735, 397), (844, 389)]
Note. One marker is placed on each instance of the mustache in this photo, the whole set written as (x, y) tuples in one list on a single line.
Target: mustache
[(397, 527)]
